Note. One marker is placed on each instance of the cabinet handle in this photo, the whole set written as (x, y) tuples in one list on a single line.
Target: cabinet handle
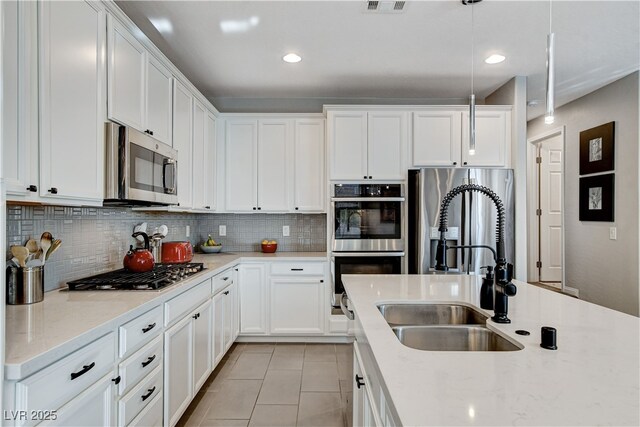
[(151, 132), (297, 269), (465, 163), (53, 190), (84, 370), (149, 360), (224, 279), (207, 207), (148, 328), (254, 208), (235, 269), (455, 163), (321, 281), (32, 188), (370, 177), (195, 316), (296, 208), (226, 292), (259, 208), (365, 177), (116, 380), (150, 392), (359, 381)]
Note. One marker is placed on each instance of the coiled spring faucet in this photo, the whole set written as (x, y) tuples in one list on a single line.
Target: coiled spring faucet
[(503, 272)]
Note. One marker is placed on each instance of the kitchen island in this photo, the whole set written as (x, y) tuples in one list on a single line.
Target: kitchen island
[(591, 379)]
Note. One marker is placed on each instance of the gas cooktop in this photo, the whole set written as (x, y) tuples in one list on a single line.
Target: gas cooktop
[(160, 277)]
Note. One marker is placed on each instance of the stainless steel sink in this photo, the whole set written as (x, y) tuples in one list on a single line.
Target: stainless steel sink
[(431, 314), (453, 338)]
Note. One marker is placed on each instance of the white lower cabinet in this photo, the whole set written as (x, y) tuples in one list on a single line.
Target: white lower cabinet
[(253, 298), (225, 310), (202, 355), (365, 411), (297, 305)]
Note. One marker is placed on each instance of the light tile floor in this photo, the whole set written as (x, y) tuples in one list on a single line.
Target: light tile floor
[(280, 385)]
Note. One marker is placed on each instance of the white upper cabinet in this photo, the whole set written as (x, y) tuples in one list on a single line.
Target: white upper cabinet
[(367, 145), (309, 176), (493, 136), (241, 148), (139, 85), (441, 137), (182, 129), (274, 157), (436, 138), (72, 96), (199, 160)]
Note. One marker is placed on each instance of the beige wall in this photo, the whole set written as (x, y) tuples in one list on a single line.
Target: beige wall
[(604, 271)]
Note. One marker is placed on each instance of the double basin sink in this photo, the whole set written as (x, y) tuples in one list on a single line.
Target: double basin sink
[(443, 327)]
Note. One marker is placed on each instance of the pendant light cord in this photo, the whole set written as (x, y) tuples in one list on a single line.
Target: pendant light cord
[(472, 47)]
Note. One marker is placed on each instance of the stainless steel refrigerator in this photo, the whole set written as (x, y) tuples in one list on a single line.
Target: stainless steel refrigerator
[(471, 221)]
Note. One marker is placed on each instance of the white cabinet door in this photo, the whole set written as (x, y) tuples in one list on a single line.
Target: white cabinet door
[(347, 144), (241, 148), (228, 318), (127, 63), (493, 134), (235, 307), (94, 407), (387, 137), (182, 114), (358, 393), (158, 101), (199, 160), (274, 160), (436, 138), (178, 370), (297, 305), (218, 328), (72, 85), (308, 165), (253, 299), (202, 343), (209, 176)]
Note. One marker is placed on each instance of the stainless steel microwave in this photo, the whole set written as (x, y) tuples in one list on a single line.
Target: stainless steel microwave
[(139, 169)]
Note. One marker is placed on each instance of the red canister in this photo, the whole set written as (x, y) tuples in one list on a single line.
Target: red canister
[(177, 252)]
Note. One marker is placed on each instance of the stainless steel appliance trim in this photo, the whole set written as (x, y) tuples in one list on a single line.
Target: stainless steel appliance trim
[(368, 245), (365, 254), (367, 199), (343, 306)]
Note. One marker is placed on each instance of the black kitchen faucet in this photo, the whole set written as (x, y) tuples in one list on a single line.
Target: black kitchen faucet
[(503, 272)]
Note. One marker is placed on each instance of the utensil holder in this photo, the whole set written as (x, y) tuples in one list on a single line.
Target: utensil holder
[(25, 285)]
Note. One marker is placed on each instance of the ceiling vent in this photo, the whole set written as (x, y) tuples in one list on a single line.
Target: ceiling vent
[(385, 6)]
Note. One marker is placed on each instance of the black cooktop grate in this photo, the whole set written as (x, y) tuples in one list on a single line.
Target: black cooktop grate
[(161, 276)]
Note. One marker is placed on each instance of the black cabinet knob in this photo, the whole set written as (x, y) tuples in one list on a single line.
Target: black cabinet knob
[(370, 177), (32, 188), (455, 163), (259, 208), (116, 379), (226, 292), (207, 207), (254, 208), (365, 177), (296, 208), (465, 163), (53, 190), (359, 381), (151, 132)]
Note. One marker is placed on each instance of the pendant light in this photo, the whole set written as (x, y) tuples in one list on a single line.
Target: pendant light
[(551, 53), (472, 97)]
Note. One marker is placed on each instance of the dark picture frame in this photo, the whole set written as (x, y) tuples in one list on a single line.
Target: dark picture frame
[(597, 149), (597, 198)]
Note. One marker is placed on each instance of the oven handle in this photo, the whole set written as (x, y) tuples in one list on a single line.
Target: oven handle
[(366, 254), (169, 162), (367, 199), (343, 306)]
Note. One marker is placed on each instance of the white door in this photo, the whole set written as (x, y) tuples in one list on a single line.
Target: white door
[(182, 130), (297, 305), (436, 138), (72, 86), (387, 144), (127, 63), (241, 148), (308, 165), (202, 343), (178, 370), (550, 198), (274, 165), (347, 144), (493, 131), (209, 176), (199, 174), (228, 318), (253, 299), (158, 101), (218, 327)]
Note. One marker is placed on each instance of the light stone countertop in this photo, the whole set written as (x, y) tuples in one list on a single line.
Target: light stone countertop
[(592, 379), (37, 335)]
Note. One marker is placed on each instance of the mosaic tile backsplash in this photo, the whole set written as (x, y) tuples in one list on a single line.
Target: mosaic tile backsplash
[(95, 240)]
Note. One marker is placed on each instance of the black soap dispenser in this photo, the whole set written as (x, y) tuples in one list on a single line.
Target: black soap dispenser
[(486, 291)]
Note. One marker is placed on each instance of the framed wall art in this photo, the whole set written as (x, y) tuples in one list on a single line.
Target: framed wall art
[(597, 149), (597, 198)]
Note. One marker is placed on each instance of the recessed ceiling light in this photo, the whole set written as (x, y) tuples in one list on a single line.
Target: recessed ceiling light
[(291, 58), (494, 59)]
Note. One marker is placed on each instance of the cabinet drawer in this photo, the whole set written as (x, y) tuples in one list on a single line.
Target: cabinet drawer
[(222, 280), (298, 268), (181, 305), (57, 384), (142, 362), (139, 397), (139, 331), (151, 415)]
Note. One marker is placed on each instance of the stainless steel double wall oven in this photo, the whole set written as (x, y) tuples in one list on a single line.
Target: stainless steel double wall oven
[(368, 231)]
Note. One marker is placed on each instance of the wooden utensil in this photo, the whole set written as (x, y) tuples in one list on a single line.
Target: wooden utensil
[(21, 253), (54, 247), (45, 244), (32, 246)]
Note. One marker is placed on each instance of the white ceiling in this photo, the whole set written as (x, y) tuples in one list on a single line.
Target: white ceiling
[(420, 55)]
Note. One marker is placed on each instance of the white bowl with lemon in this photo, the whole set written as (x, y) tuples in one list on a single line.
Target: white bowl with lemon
[(210, 246)]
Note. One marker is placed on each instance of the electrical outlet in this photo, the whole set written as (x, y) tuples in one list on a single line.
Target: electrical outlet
[(222, 230), (613, 233), (285, 231), (188, 231)]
